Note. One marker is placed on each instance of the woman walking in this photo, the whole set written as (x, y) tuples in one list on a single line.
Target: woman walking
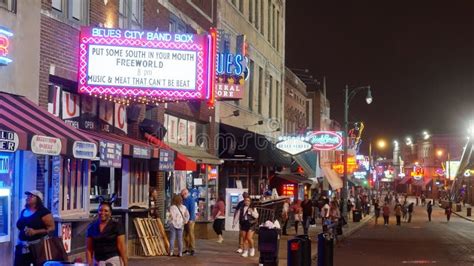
[(106, 239), (398, 213), (35, 222), (298, 213), (248, 217), (429, 209), (448, 211), (376, 211), (386, 213), (285, 215), (179, 216), (218, 214)]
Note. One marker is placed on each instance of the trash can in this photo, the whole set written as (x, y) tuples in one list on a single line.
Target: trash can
[(458, 207), (469, 210), (268, 246), (325, 249), (299, 251), (356, 216)]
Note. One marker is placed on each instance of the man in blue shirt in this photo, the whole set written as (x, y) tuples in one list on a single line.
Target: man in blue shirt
[(189, 240)]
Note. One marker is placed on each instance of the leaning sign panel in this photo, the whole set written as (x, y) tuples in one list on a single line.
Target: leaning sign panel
[(159, 65)]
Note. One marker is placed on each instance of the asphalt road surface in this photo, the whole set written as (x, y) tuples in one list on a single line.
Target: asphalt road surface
[(420, 242)]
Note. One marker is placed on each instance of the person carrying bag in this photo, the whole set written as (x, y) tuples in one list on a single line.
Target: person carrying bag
[(35, 223)]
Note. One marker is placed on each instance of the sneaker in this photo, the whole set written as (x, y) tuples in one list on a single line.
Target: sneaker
[(191, 252), (245, 254), (239, 251), (185, 252), (171, 254), (252, 252), (180, 254), (220, 240)]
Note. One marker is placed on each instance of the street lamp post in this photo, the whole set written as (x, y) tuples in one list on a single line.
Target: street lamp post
[(347, 99)]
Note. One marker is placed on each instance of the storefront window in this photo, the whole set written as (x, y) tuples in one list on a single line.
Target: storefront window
[(206, 186), (105, 181), (74, 185)]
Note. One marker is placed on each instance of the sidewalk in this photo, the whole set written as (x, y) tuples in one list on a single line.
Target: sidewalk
[(209, 252), (463, 212)]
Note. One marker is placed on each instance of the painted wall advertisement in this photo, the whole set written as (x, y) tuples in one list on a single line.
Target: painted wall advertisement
[(145, 63)]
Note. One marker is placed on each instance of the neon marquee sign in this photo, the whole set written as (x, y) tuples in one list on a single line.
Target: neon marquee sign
[(325, 140), (5, 35), (140, 64)]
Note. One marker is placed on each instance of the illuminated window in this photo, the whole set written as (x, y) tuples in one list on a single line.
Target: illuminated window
[(131, 14)]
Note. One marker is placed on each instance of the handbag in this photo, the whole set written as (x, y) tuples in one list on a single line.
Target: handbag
[(186, 225), (48, 248)]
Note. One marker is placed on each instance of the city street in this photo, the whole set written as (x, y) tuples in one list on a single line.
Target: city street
[(419, 242)]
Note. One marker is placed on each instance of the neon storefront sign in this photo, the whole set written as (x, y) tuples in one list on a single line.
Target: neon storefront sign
[(158, 65), (325, 140), (5, 35)]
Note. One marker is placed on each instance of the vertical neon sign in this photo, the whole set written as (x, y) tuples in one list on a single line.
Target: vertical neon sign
[(5, 35), (212, 65)]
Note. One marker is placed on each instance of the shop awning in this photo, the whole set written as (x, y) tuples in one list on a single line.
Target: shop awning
[(196, 154), (405, 180), (22, 116), (307, 161), (297, 179), (239, 144), (129, 144), (181, 163), (333, 178)]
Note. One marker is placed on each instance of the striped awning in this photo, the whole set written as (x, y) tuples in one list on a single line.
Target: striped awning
[(181, 162), (26, 119), (129, 144)]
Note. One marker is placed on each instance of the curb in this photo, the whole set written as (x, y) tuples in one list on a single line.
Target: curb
[(350, 231), (464, 217)]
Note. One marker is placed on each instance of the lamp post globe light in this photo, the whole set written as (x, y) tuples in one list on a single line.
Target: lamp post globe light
[(349, 95)]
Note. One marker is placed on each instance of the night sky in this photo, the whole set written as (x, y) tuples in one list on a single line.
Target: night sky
[(418, 55)]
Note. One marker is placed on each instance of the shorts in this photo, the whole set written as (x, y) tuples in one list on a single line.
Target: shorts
[(247, 226)]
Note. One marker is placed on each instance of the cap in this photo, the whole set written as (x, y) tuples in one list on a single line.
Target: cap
[(37, 193)]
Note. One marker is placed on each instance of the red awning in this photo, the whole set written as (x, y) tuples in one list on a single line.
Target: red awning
[(181, 163), (128, 143), (22, 116), (404, 180)]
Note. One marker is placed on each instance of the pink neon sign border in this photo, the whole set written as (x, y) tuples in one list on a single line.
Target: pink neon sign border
[(201, 48)]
